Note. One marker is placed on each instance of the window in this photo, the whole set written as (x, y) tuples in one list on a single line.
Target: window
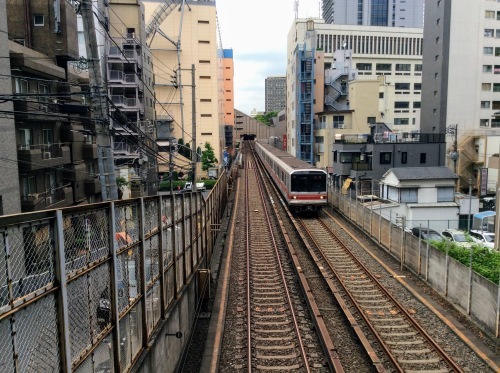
[(204, 77), (446, 194), (408, 195), (371, 120), (417, 86), (403, 67), (487, 69), (495, 105), (384, 67), (418, 67), (423, 158), (404, 157), (364, 66), (38, 20), (437, 40), (402, 86), (22, 86), (416, 104), (484, 122), (385, 157), (204, 41), (401, 105), (495, 123), (488, 51), (25, 138), (206, 115), (204, 61), (489, 14), (488, 32), (206, 100), (486, 87), (401, 121), (436, 75), (206, 133), (204, 22), (497, 33), (381, 95), (485, 104), (28, 184), (48, 136), (345, 157)]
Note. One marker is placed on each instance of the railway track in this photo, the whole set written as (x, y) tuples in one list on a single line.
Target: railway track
[(408, 346), (273, 336)]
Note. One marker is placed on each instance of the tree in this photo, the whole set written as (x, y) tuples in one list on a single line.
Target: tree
[(208, 157), (266, 118)]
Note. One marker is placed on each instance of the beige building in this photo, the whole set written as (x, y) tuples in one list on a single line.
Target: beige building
[(341, 78), (227, 90), (186, 37)]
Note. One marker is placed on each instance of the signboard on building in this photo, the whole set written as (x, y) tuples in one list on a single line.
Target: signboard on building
[(483, 190), (284, 142)]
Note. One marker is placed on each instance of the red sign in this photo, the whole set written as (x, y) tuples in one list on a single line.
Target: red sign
[(284, 142), (484, 181)]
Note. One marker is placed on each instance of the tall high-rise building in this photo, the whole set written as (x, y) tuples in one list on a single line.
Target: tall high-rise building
[(275, 93), (395, 13), (461, 86)]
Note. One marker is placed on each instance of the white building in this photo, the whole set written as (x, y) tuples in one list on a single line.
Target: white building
[(387, 55), (425, 196), (397, 13), (461, 85)]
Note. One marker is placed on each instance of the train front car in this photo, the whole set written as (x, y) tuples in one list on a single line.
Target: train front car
[(307, 190)]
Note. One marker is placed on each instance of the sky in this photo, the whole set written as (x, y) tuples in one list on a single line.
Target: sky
[(257, 32)]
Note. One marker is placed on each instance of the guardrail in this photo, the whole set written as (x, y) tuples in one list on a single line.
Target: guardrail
[(84, 288)]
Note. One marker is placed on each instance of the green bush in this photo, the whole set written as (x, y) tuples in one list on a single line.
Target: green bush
[(484, 262)]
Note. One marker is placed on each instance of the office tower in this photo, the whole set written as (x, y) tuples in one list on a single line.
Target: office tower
[(275, 93), (395, 13)]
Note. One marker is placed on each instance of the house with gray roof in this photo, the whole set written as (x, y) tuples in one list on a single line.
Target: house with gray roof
[(424, 195)]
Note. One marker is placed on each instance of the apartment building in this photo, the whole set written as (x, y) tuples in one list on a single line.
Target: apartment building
[(341, 78), (275, 93), (10, 202), (130, 84), (461, 87), (183, 41), (55, 138), (394, 13)]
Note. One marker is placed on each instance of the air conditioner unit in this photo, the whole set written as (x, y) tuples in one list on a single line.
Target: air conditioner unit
[(48, 200), (46, 155)]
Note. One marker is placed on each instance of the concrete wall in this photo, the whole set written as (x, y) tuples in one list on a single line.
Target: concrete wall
[(469, 292)]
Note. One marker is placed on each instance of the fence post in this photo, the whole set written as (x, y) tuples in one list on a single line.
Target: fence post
[(161, 256), (62, 294), (174, 243), (403, 223), (115, 322), (380, 224), (469, 300), (446, 270), (390, 230), (142, 253), (419, 266)]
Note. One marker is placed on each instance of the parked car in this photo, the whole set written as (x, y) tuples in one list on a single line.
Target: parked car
[(458, 237), (199, 186), (426, 234), (484, 238)]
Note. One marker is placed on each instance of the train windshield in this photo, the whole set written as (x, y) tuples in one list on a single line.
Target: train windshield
[(308, 181)]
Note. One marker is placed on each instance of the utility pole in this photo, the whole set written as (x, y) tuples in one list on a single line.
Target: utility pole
[(98, 105), (194, 155)]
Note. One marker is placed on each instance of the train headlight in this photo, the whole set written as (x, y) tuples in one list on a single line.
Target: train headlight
[(294, 197), (321, 197)]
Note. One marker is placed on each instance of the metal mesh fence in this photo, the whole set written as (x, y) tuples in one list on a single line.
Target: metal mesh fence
[(58, 266)]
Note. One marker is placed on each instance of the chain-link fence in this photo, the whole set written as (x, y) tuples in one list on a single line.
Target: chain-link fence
[(84, 289)]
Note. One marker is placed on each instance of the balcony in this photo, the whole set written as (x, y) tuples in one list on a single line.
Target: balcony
[(125, 102), (39, 111), (92, 185), (361, 166), (36, 157), (56, 198), (319, 148), (122, 149), (75, 172), (122, 77)]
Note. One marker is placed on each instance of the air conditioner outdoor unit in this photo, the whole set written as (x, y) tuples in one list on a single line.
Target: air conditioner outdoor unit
[(46, 155), (48, 200)]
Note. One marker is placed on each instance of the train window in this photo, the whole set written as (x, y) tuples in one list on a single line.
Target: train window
[(308, 182)]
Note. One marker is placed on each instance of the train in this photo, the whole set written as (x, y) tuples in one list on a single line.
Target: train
[(303, 187)]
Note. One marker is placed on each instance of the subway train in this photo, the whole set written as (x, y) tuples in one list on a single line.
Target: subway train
[(302, 186)]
